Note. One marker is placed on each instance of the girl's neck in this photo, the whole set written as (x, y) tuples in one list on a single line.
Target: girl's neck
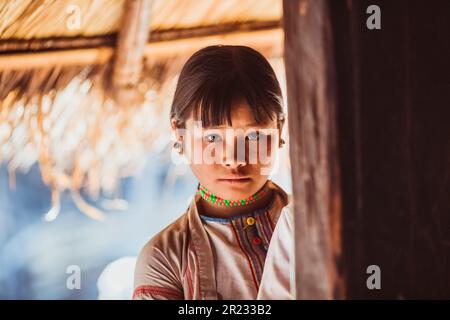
[(209, 209)]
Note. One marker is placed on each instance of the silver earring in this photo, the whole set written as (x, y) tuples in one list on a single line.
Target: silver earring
[(178, 146)]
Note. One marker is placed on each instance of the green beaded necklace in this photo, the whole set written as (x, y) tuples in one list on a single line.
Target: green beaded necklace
[(214, 199)]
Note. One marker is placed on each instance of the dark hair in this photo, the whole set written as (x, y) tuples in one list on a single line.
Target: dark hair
[(216, 76)]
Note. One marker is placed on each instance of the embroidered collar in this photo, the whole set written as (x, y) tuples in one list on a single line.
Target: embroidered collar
[(254, 214)]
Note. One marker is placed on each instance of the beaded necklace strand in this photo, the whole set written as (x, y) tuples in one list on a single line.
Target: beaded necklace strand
[(214, 199)]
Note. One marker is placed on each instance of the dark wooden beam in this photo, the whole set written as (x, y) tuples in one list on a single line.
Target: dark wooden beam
[(211, 30), (313, 149), (156, 36), (268, 42), (10, 46)]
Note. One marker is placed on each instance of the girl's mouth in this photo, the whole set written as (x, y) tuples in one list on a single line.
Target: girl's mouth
[(236, 180)]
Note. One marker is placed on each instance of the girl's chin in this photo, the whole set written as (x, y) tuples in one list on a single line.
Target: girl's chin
[(235, 189)]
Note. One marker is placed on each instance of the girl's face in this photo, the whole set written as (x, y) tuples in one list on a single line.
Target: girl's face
[(233, 162)]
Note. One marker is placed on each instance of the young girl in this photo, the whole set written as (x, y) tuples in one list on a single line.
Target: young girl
[(226, 101)]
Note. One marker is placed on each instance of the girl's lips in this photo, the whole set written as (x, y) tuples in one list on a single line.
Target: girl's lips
[(235, 180)]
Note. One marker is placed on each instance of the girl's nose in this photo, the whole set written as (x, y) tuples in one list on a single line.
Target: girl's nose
[(234, 158), (234, 164)]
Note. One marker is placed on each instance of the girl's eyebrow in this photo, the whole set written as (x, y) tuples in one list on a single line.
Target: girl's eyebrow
[(250, 125)]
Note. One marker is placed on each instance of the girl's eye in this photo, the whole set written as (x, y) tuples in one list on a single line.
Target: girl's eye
[(213, 137)]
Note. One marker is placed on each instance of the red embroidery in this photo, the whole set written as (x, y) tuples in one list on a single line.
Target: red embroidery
[(272, 224), (147, 289), (197, 273), (255, 281)]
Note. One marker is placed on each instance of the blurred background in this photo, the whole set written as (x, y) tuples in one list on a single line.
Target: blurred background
[(86, 174)]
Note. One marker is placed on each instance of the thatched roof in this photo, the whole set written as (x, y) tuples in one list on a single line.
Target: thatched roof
[(85, 100), (31, 19)]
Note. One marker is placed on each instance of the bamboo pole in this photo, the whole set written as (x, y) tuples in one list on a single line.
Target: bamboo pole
[(131, 41), (269, 42), (26, 61)]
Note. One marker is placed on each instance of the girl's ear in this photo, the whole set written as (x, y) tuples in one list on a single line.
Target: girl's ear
[(281, 141), (178, 145), (174, 125)]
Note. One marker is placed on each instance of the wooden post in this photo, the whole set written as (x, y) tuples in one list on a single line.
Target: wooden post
[(131, 42), (313, 148)]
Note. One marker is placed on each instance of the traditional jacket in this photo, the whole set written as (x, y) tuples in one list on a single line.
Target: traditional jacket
[(199, 257)]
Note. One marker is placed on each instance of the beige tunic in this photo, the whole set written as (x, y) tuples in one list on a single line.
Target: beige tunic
[(278, 276), (198, 257)]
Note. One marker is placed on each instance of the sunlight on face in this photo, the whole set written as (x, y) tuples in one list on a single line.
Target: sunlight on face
[(233, 161)]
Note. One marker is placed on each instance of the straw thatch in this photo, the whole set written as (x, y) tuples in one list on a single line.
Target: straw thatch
[(56, 101), (31, 19)]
